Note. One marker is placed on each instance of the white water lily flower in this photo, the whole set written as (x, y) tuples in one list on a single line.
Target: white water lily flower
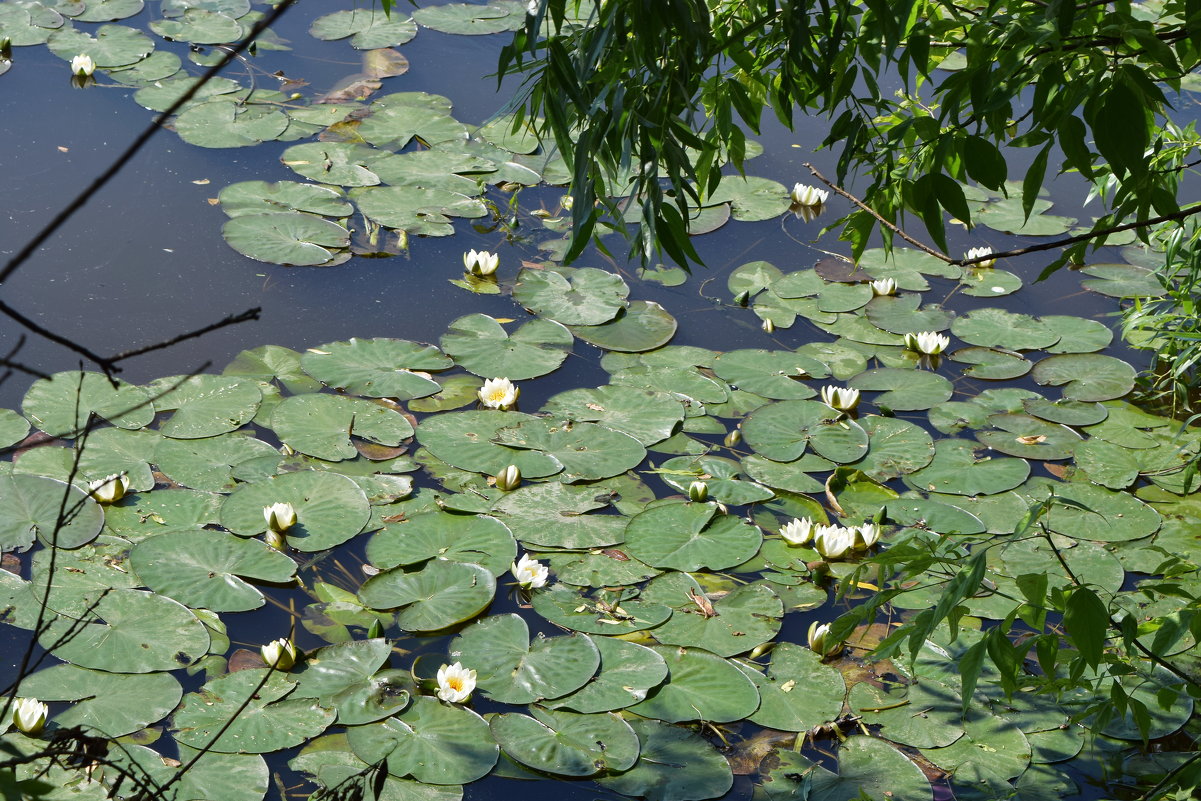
[(530, 573), (279, 516), (531, 7), (279, 654), (866, 536), (481, 262), (29, 715), (840, 399), (817, 640), (499, 393), (798, 531), (978, 253), (109, 489), (884, 286), (82, 65), (833, 541), (805, 195), (455, 683), (930, 343)]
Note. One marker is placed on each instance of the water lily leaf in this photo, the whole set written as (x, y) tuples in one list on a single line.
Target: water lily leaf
[(772, 374), (627, 672), (330, 763), (205, 405), (855, 328), (1107, 464), (723, 477), (959, 468), (438, 595), (587, 451), (799, 692), (895, 447), (322, 425), (643, 325), (28, 26), (751, 198), (268, 722), (1107, 517), (1067, 412), (1086, 376), (684, 384), (108, 10), (286, 238), (158, 66), (212, 464), (990, 745), (346, 677), (473, 20), (458, 538), (113, 45), (688, 536), (435, 743), (1028, 437), (893, 711), (206, 569), (581, 296), (436, 169), (989, 283), (480, 345), (904, 390), (1156, 691), (161, 95), (14, 427), (675, 764), (397, 119), (341, 163), (221, 122), (81, 575), (199, 26), (867, 767), (146, 514), (261, 197), (566, 743), (608, 567), (230, 8), (512, 670), (700, 686), (646, 415), (455, 392), (1077, 334), (1008, 215), (108, 451), (932, 516), (1123, 281), (998, 328), (991, 364), (231, 777), (425, 211), (900, 314), (741, 619), (782, 431), (30, 507), (113, 704), (61, 405), (129, 631), (794, 476), (330, 509), (369, 28), (377, 368), (465, 440), (553, 515)]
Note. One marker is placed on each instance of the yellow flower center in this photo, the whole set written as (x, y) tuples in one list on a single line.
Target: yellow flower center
[(455, 683), (497, 395)]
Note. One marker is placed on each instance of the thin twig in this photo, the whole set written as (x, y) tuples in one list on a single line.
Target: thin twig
[(233, 319)]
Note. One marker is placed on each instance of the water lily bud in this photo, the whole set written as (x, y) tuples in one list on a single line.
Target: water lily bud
[(798, 531), (455, 683), (884, 286), (733, 438), (743, 298), (279, 516), (376, 630), (980, 253), (82, 65), (931, 343), (509, 479), (530, 573), (567, 202), (29, 716), (276, 539), (279, 654), (698, 491), (805, 195), (768, 326), (840, 399), (109, 489), (818, 643), (499, 393), (6, 47), (481, 262)]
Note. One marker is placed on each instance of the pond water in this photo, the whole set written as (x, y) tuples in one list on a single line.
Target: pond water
[(145, 260)]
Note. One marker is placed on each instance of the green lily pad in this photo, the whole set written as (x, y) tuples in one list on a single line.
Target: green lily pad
[(751, 198), (597, 613), (700, 686), (205, 405), (61, 405), (206, 569), (330, 509), (368, 28), (438, 595), (602, 567), (232, 777), (286, 238), (989, 283), (397, 119), (1008, 215), (901, 314), (129, 631), (782, 431), (627, 673), (465, 440), (340, 163), (322, 425), (646, 415), (799, 692), (146, 514), (741, 619), (867, 767), (213, 464), (1086, 376), (567, 743), (424, 211), (1122, 281), (998, 328), (221, 123), (112, 704), (1107, 517), (674, 765), (991, 364), (643, 325), (1077, 334), (904, 390), (895, 447), (991, 746), (1028, 437), (581, 296), (512, 670), (30, 507), (261, 197), (480, 345), (377, 368), (473, 20), (434, 742), (895, 712), (199, 26), (960, 468), (13, 428), (113, 45), (553, 515), (587, 451), (458, 538), (688, 536), (772, 374), (346, 677)]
